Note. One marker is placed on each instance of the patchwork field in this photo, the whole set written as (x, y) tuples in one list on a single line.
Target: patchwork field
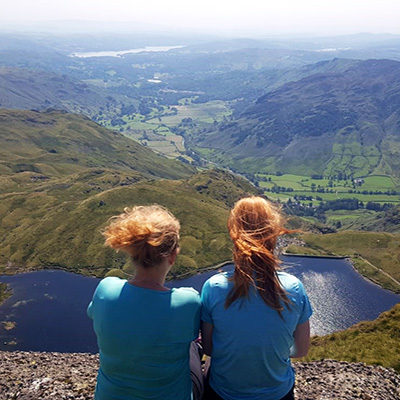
[(156, 130), (311, 192), (377, 188)]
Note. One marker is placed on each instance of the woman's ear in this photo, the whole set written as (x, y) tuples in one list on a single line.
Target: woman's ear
[(172, 256)]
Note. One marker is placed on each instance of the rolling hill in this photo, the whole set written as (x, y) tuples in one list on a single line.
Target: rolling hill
[(62, 177), (345, 120), (55, 144)]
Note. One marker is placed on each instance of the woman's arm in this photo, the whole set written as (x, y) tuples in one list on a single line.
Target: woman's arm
[(206, 336), (301, 340)]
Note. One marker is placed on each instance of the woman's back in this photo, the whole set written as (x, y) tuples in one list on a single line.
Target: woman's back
[(251, 341), (257, 318), (144, 337)]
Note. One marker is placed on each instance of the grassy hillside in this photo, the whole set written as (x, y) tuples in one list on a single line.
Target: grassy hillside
[(47, 145), (62, 178), (372, 342), (45, 230), (375, 255), (388, 221)]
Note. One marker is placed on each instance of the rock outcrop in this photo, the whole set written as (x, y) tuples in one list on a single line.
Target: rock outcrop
[(61, 376)]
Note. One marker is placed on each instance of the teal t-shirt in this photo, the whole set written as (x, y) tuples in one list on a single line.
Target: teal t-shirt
[(143, 337), (251, 342)]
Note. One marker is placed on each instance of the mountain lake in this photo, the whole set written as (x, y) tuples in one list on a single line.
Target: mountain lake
[(47, 311), (120, 53)]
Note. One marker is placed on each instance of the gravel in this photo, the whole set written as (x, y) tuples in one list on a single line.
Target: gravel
[(32, 375)]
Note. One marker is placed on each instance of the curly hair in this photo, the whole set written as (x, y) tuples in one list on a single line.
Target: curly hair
[(147, 233), (254, 226)]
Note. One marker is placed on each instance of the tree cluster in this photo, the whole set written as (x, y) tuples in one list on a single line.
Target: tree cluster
[(300, 209)]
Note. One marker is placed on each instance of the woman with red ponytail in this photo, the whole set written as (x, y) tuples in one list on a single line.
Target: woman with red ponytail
[(255, 318)]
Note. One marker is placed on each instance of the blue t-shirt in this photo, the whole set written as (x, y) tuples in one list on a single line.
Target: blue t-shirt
[(144, 337), (251, 342)]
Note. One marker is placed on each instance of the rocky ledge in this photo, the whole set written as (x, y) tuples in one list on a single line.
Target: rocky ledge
[(30, 375)]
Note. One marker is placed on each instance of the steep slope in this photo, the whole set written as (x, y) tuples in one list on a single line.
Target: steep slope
[(345, 120), (373, 342), (62, 177)]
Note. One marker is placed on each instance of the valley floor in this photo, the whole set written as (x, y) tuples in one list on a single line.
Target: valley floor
[(45, 376)]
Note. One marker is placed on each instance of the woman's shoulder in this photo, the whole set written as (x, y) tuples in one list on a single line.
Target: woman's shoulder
[(112, 281), (221, 280), (111, 284), (186, 292), (286, 276), (290, 282)]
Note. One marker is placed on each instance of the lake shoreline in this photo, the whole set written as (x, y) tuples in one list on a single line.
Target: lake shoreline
[(6, 292), (315, 256), (350, 260), (332, 284)]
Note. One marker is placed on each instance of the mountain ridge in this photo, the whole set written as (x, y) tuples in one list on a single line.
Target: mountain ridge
[(325, 123)]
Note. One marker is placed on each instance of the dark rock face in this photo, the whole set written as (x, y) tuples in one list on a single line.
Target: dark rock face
[(59, 376)]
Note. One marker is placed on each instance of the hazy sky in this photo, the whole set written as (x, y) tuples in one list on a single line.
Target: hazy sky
[(220, 16)]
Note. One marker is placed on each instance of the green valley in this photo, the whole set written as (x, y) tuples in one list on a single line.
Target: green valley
[(164, 130), (312, 131)]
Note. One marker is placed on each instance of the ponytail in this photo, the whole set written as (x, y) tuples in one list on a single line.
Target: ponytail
[(254, 226)]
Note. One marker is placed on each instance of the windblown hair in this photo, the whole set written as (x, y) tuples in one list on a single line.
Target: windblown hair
[(147, 233), (254, 226)]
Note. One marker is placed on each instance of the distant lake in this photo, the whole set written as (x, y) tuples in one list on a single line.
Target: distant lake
[(49, 307), (120, 53)]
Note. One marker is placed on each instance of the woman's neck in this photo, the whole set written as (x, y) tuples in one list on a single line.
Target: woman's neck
[(151, 277)]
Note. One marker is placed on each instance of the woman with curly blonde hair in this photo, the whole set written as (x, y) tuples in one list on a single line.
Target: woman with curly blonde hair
[(255, 318), (144, 329)]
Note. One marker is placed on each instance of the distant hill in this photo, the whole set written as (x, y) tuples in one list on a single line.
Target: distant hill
[(387, 221), (62, 177), (33, 89), (346, 119)]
